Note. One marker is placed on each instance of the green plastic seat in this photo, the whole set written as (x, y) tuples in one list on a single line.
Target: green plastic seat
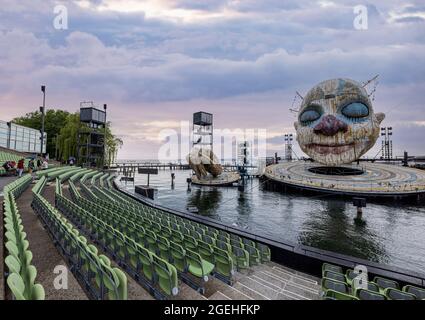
[(364, 294), (223, 246), (13, 264), (177, 236), (167, 276), (254, 255), (208, 239), (17, 286), (178, 256), (197, 266), (241, 257), (223, 263), (329, 284), (371, 286), (331, 267), (396, 294), (206, 251), (190, 243), (335, 295), (334, 276), (264, 252), (146, 260), (418, 292), (164, 248), (384, 283)]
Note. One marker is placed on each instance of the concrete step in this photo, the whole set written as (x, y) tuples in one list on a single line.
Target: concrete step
[(270, 292), (235, 294), (219, 296), (283, 279), (249, 291)]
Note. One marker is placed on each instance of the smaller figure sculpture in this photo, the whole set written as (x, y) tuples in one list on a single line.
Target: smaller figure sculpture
[(204, 161)]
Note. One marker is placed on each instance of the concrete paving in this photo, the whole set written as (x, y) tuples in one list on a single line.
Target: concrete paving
[(45, 255), (263, 282)]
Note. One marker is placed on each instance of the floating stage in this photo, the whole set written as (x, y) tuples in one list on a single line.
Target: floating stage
[(224, 179), (370, 180)]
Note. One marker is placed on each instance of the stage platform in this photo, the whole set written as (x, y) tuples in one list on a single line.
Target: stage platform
[(224, 179), (375, 180)]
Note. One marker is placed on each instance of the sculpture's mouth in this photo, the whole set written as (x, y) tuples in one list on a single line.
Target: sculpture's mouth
[(330, 148)]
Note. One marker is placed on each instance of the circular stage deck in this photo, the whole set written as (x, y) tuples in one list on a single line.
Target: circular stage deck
[(224, 179), (377, 180)]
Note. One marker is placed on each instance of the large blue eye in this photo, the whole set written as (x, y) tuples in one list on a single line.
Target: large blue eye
[(309, 116), (355, 110)]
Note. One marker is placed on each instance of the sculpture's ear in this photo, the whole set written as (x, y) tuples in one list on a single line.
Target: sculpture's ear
[(296, 125), (380, 116)]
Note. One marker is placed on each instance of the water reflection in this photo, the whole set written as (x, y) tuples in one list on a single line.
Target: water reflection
[(207, 200), (392, 234), (332, 227)]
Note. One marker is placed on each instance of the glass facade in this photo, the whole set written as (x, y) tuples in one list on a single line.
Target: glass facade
[(21, 138)]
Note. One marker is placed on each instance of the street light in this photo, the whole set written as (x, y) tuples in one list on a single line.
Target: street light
[(42, 109), (105, 106)]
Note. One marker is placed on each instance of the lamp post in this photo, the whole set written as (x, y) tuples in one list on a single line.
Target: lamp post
[(42, 108), (105, 106)]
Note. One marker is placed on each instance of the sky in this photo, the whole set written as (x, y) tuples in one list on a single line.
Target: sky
[(156, 62)]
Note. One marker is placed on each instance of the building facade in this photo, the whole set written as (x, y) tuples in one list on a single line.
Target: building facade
[(20, 138)]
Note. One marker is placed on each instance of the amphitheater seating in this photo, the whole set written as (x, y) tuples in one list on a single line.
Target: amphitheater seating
[(9, 156), (136, 258), (153, 246), (22, 275), (100, 279), (150, 240), (191, 248), (337, 285)]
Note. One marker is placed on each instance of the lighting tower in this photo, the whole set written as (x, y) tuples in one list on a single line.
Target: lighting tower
[(202, 130), (288, 146), (91, 135), (387, 143)]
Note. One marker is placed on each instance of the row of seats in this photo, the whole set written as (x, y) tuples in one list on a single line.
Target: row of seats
[(88, 175), (337, 285), (69, 173), (209, 242), (101, 280), (9, 156), (148, 268), (61, 171), (45, 172), (22, 275), (245, 252), (188, 255)]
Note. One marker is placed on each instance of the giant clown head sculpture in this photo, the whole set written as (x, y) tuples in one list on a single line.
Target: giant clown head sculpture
[(336, 123)]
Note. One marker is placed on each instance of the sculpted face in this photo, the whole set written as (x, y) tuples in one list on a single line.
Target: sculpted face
[(336, 123)]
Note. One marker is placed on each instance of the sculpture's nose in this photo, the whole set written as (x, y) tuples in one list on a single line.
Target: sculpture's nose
[(330, 126)]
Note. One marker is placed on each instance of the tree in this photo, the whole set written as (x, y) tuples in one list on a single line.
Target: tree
[(53, 122), (62, 130), (67, 140)]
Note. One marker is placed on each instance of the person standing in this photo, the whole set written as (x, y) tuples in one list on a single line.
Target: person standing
[(20, 167), (45, 164), (31, 166), (39, 163)]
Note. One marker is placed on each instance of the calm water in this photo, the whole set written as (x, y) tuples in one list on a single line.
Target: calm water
[(392, 234)]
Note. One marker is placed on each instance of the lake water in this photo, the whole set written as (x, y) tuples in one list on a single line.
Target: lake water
[(392, 234)]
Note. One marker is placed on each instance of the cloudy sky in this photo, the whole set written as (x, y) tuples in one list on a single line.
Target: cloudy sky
[(157, 62)]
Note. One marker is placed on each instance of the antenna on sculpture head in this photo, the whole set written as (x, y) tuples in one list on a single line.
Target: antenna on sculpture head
[(375, 82), (297, 95)]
